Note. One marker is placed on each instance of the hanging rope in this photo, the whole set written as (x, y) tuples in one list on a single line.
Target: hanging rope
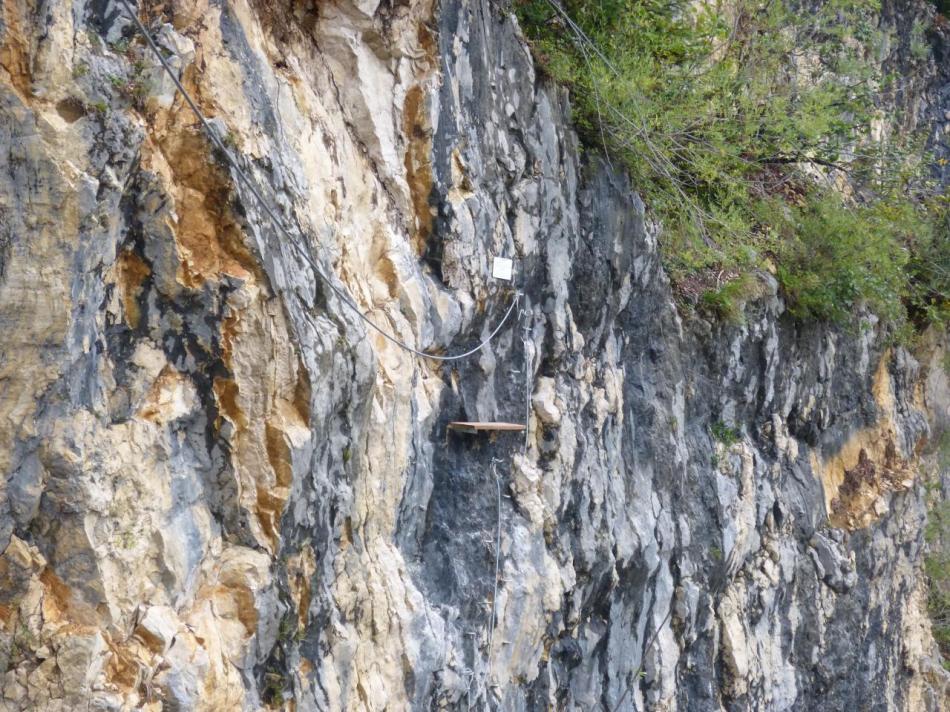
[(278, 223)]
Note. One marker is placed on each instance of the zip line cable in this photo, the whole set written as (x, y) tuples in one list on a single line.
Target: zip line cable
[(278, 222)]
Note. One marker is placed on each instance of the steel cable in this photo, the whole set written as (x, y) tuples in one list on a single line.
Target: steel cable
[(278, 223)]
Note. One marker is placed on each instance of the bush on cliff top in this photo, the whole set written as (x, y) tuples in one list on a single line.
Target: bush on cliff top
[(748, 128)]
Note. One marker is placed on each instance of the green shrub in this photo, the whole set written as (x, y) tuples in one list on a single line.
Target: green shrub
[(831, 256), (726, 302), (929, 268), (728, 118), (725, 434)]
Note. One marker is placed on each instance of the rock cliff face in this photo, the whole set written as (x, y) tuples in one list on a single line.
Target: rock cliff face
[(221, 491)]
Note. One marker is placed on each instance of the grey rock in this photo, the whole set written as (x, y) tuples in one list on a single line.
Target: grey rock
[(239, 493)]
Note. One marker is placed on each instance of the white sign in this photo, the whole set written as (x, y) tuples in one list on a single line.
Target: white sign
[(501, 268)]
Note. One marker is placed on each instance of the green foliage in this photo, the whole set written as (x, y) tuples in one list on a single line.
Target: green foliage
[(95, 41), (831, 256), (919, 47), (727, 301), (733, 118), (724, 434), (121, 46), (929, 266), (287, 630), (126, 539), (22, 645), (134, 87), (273, 692)]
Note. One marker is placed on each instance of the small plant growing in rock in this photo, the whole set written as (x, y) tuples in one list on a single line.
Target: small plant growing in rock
[(127, 540), (724, 434), (138, 86), (727, 301), (287, 629), (22, 645), (121, 46), (230, 140), (94, 39), (135, 88), (273, 693)]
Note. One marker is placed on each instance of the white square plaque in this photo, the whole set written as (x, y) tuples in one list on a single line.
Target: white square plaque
[(501, 268)]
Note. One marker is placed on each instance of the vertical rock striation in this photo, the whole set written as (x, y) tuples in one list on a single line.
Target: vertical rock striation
[(221, 490)]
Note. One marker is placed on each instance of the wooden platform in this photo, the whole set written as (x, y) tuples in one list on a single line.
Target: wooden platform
[(464, 427)]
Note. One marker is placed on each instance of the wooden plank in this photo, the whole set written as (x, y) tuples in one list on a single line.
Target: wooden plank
[(474, 427)]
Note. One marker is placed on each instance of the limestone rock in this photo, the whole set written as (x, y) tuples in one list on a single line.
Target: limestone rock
[(222, 490)]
